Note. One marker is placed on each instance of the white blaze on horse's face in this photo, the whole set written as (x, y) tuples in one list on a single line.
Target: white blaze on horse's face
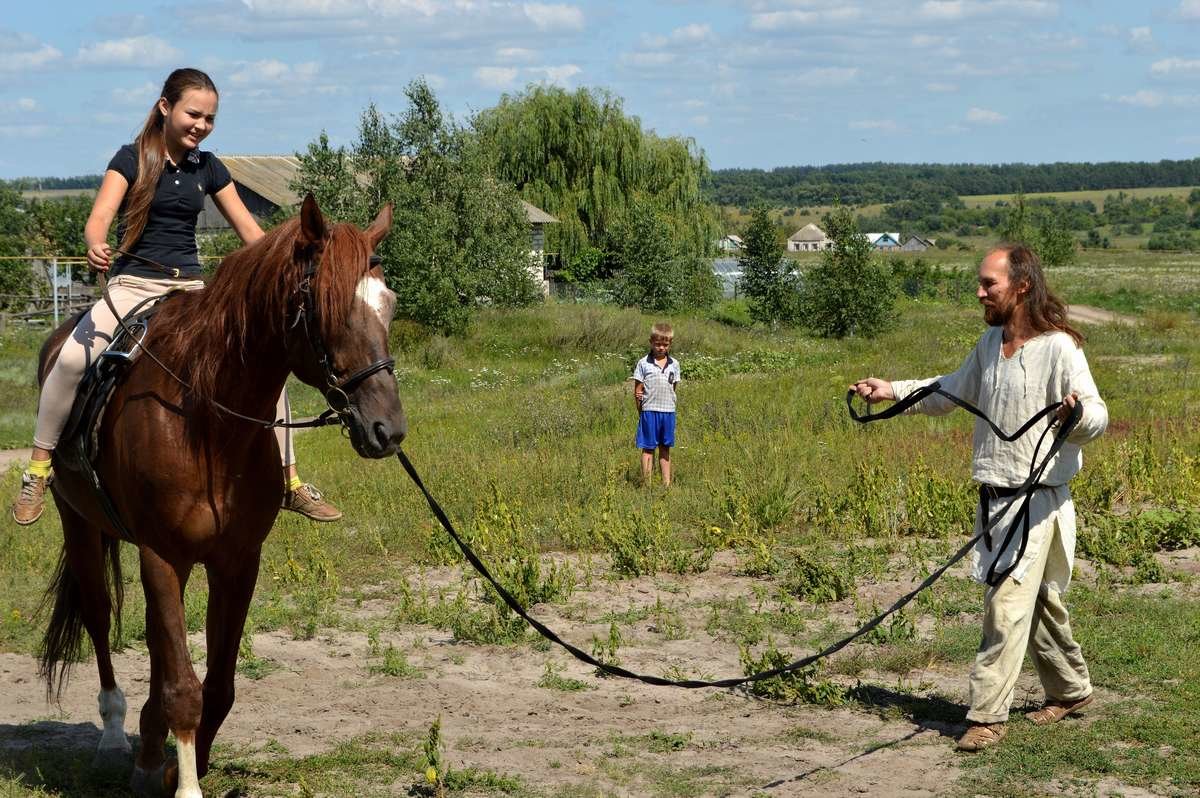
[(377, 296)]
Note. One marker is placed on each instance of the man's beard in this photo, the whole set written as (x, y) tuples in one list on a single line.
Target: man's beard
[(998, 315)]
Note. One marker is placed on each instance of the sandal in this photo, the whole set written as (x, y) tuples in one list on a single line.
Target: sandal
[(981, 736), (1054, 711)]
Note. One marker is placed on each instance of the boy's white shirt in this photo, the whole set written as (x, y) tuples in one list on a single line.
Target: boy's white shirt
[(659, 383), (1009, 391)]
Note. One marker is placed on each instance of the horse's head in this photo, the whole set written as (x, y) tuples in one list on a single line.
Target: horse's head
[(339, 343)]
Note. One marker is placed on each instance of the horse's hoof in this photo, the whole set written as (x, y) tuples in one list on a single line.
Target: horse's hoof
[(157, 783)]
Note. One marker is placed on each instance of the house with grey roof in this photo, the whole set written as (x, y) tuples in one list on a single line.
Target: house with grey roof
[(918, 244), (809, 238)]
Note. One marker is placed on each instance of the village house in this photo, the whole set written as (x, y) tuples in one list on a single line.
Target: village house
[(884, 241), (731, 243), (809, 238), (918, 244)]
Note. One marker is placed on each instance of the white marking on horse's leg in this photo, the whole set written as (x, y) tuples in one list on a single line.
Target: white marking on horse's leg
[(378, 297), (112, 712), (189, 781)]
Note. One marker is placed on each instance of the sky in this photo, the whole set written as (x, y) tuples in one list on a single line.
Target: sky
[(756, 83)]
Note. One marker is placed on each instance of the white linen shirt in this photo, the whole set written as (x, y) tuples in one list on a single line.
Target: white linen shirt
[(660, 383), (1009, 390)]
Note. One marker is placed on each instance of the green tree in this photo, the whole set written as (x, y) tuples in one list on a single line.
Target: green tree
[(15, 276), (644, 257), (848, 293), (767, 278), (581, 158), (1042, 230), (459, 236)]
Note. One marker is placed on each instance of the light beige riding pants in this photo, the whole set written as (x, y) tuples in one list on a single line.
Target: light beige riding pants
[(91, 336), (1020, 616)]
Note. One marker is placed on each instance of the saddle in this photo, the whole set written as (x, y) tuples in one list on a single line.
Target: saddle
[(79, 445)]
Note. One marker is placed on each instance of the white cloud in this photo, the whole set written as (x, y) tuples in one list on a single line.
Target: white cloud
[(982, 116), (558, 75), (554, 16), (272, 71), (1141, 39), (829, 76), (136, 51), (24, 131), (1188, 9), (791, 20), (881, 125), (694, 33), (515, 54), (496, 77), (293, 9), (941, 88), (1174, 66), (926, 40), (1148, 98), (1144, 98), (949, 10), (26, 104), (19, 53), (700, 120), (145, 94), (654, 59)]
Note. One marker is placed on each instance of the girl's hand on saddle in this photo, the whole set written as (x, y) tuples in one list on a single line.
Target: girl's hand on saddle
[(99, 256), (874, 390)]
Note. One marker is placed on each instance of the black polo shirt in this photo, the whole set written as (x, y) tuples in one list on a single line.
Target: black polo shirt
[(170, 234)]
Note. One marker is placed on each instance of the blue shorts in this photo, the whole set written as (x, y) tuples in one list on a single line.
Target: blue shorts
[(655, 428)]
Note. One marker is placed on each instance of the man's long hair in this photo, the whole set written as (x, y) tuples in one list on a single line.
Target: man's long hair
[(1044, 310)]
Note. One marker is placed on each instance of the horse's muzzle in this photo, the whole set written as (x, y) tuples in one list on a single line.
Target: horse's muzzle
[(376, 438)]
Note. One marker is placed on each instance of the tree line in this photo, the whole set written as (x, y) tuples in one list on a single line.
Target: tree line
[(873, 183)]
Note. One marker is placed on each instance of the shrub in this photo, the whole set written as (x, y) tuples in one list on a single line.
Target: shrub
[(848, 293)]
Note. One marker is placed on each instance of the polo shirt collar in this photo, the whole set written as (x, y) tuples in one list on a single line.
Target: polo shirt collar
[(650, 360)]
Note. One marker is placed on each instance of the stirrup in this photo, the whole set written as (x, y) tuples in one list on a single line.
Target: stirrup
[(138, 331)]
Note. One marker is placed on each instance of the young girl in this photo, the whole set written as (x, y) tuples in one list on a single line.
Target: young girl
[(156, 187)]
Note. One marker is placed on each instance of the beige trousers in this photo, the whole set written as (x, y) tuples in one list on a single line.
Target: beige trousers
[(1019, 616), (91, 336)]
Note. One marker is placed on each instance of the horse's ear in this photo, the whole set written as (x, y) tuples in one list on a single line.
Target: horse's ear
[(312, 222), (379, 228)]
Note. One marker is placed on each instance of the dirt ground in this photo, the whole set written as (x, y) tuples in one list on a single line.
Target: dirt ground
[(495, 717)]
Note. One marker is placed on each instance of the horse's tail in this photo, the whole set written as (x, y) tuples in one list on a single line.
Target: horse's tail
[(62, 644)]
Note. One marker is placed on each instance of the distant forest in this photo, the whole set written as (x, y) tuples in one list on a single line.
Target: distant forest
[(50, 183), (870, 183)]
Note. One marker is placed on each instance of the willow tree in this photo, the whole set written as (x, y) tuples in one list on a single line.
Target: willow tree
[(578, 156)]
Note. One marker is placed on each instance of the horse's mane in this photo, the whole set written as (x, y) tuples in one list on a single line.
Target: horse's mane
[(254, 295)]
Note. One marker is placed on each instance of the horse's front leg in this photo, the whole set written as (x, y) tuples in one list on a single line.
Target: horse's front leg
[(175, 699), (230, 588)]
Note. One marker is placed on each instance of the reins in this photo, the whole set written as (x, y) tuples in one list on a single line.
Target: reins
[(336, 392), (1022, 493)]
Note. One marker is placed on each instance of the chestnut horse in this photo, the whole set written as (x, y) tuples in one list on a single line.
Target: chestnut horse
[(193, 483)]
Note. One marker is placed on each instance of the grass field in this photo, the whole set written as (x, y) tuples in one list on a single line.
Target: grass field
[(1097, 197), (786, 526)]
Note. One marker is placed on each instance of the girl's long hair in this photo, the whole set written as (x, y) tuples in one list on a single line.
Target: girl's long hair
[(150, 145), (1045, 310)]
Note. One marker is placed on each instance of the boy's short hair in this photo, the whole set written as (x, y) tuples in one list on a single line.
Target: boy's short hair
[(662, 329)]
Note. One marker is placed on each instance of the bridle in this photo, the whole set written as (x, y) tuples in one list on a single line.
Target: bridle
[(336, 392)]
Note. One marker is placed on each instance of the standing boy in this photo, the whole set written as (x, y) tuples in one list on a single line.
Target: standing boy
[(654, 381), (1029, 357)]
